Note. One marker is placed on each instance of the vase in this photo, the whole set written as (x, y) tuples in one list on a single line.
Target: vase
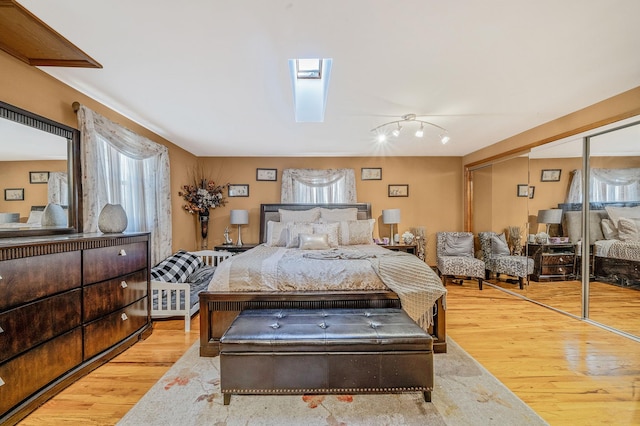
[(112, 219), (203, 217)]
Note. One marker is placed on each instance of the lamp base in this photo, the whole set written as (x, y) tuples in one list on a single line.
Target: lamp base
[(239, 236), (391, 239)]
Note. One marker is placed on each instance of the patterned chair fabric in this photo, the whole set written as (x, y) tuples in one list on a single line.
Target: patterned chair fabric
[(458, 266), (516, 266)]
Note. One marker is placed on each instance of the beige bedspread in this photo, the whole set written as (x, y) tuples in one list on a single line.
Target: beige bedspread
[(363, 267)]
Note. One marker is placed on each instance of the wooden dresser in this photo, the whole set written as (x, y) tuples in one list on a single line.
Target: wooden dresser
[(67, 304)]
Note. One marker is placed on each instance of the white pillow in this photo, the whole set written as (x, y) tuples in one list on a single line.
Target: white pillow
[(615, 213), (629, 229), (331, 229), (339, 215), (276, 234), (356, 232), (294, 229), (608, 230), (313, 241), (311, 215), (35, 217)]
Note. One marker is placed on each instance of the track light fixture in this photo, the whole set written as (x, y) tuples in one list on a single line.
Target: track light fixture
[(381, 133)]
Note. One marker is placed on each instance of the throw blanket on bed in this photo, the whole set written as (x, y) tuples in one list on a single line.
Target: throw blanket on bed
[(628, 250), (366, 267)]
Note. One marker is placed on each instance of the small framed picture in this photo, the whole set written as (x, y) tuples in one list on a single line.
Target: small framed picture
[(523, 190), (267, 174), (371, 173), (238, 190), (532, 191), (398, 190), (38, 177), (550, 175), (14, 194)]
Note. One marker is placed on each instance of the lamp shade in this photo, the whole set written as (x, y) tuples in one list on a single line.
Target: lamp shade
[(390, 216), (239, 217), (551, 216)]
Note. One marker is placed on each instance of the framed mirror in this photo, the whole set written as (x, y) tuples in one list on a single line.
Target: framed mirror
[(40, 162)]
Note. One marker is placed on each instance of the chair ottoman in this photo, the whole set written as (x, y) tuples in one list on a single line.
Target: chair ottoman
[(325, 351)]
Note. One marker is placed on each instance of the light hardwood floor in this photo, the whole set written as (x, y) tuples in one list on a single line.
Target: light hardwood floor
[(569, 372)]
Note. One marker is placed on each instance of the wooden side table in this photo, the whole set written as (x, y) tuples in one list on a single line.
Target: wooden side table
[(407, 248), (552, 262), (234, 248)]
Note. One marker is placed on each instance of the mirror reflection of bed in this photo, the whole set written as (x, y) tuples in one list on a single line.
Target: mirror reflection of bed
[(299, 278), (614, 284)]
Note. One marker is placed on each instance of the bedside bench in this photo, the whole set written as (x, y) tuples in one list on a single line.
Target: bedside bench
[(325, 351)]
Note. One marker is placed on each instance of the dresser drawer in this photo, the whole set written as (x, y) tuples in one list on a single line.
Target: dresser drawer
[(112, 295), (107, 331), (557, 259), (34, 323), (557, 270), (109, 262), (30, 278), (25, 374)]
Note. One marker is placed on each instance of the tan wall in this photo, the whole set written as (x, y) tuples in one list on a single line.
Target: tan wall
[(15, 174), (34, 90), (434, 200)]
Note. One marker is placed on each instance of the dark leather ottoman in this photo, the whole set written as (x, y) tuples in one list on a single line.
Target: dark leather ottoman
[(307, 351)]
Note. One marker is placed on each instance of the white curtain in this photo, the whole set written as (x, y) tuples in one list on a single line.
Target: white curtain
[(606, 185), (122, 167), (318, 186), (58, 189)]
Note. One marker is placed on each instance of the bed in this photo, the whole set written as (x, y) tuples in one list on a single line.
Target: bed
[(194, 271), (233, 289), (615, 239)]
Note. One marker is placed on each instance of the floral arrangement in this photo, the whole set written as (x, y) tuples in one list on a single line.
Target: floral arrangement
[(202, 197)]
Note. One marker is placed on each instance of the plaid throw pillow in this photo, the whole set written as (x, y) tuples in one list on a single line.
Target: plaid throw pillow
[(176, 268)]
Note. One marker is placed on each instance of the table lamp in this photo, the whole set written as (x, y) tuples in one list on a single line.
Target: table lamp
[(391, 217), (549, 217), (239, 217)]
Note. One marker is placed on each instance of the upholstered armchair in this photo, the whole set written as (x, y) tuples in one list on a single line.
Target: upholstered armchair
[(497, 258), (454, 256)]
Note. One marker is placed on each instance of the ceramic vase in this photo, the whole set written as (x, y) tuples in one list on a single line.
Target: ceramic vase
[(204, 228), (112, 219)]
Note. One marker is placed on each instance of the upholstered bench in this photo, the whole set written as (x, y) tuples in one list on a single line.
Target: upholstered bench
[(322, 351)]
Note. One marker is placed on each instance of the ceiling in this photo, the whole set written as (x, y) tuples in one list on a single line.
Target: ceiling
[(212, 76)]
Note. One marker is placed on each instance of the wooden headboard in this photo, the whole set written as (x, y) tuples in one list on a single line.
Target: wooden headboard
[(269, 212)]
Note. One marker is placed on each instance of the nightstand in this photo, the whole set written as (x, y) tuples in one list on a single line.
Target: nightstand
[(552, 262), (234, 248), (407, 248)]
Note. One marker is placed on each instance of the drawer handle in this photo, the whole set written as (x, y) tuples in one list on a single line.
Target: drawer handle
[(1, 381), (1, 330), (124, 284), (124, 317), (122, 253)]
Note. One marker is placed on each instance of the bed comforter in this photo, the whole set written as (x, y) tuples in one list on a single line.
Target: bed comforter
[(348, 268)]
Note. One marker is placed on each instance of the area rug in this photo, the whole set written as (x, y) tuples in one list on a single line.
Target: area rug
[(465, 394)]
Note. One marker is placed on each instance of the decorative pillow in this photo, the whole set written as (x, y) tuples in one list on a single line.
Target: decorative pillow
[(331, 229), (309, 216), (461, 245), (339, 215), (313, 241), (629, 229), (276, 234), (608, 230), (35, 217), (176, 268), (293, 229), (356, 232), (615, 213), (499, 246)]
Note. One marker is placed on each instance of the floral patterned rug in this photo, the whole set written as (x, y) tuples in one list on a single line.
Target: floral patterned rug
[(465, 394)]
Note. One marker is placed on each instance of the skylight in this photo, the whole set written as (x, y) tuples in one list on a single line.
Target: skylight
[(310, 80)]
